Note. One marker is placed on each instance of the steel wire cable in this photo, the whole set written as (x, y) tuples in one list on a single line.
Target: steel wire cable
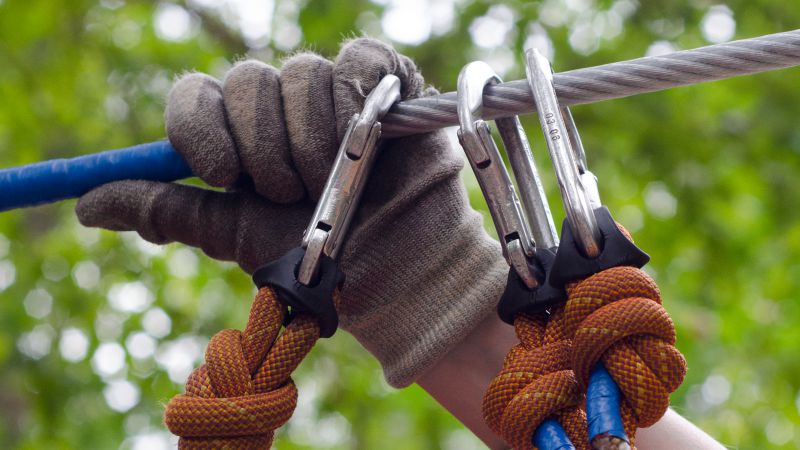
[(608, 81)]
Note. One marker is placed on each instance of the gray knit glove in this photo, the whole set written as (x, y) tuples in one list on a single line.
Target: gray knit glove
[(421, 271)]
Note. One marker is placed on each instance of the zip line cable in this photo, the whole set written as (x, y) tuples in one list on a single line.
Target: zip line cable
[(608, 81), (54, 180)]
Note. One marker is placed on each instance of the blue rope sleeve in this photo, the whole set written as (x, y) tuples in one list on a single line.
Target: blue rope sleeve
[(549, 435), (602, 405), (59, 179), (602, 414)]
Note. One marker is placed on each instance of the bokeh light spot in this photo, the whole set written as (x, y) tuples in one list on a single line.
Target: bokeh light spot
[(140, 345), (108, 359), (407, 22), (121, 395), (492, 29), (38, 303), (74, 344), (157, 323), (718, 24), (659, 201), (36, 343), (173, 22), (130, 297), (86, 275)]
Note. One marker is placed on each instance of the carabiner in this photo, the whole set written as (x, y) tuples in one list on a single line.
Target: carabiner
[(328, 227), (517, 238), (577, 184)]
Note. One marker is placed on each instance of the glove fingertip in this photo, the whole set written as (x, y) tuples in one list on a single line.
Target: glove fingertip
[(375, 59), (197, 127), (306, 85), (86, 209), (360, 66), (111, 206), (252, 92)]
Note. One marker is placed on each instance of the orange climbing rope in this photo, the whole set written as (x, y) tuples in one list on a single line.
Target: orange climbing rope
[(614, 316), (243, 393), (536, 382)]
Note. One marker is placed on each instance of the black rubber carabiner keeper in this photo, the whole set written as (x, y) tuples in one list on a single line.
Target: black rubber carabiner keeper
[(519, 298), (571, 264), (316, 300)]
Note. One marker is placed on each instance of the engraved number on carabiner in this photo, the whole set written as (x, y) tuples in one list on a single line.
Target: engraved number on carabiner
[(553, 132)]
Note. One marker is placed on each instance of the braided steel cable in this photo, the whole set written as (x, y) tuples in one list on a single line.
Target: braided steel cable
[(608, 81)]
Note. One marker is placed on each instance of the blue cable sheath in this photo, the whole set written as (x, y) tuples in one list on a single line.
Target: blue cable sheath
[(602, 413), (602, 405), (549, 435), (59, 179)]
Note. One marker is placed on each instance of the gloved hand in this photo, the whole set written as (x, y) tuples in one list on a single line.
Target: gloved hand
[(421, 271)]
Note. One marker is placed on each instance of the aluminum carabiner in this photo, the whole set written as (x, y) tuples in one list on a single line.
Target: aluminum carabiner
[(331, 219), (577, 184), (519, 230)]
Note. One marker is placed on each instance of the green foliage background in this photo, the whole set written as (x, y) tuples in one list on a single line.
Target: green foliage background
[(707, 177)]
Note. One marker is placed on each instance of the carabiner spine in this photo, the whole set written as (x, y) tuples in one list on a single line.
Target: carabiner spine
[(531, 190)]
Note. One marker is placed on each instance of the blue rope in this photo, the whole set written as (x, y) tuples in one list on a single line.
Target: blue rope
[(550, 435), (602, 405), (60, 179)]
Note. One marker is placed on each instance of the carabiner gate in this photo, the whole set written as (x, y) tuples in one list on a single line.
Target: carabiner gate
[(517, 238), (328, 227)]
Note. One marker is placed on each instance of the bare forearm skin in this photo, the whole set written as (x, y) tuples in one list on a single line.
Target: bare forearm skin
[(674, 431), (459, 380)]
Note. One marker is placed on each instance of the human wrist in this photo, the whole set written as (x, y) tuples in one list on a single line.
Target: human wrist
[(674, 431), (459, 380)]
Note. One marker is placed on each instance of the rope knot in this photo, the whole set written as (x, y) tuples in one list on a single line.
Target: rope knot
[(536, 382), (617, 318), (243, 392)]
